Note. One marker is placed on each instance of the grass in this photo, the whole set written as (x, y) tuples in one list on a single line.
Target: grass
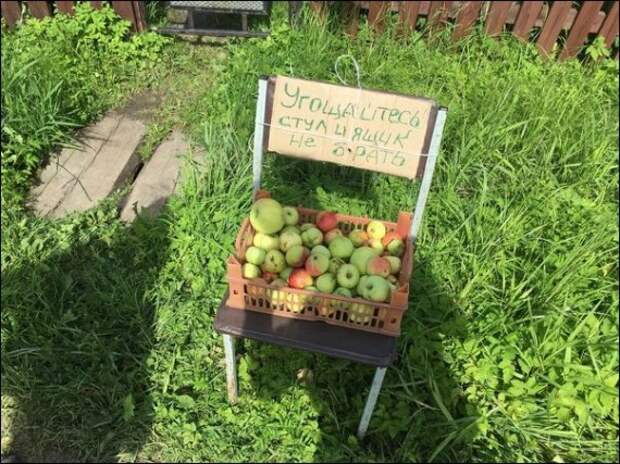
[(509, 348)]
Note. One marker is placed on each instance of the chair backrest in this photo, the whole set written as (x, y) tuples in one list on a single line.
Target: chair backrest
[(367, 129)]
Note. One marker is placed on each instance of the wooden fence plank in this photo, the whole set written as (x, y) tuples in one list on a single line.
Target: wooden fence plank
[(352, 18), (438, 14), (553, 25), (95, 4), (139, 11), (11, 12), (376, 15), (528, 14), (408, 14), (39, 9), (579, 32), (466, 19), (125, 10), (497, 17), (609, 29), (65, 7), (318, 7)]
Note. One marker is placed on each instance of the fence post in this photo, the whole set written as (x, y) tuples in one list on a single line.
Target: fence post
[(609, 28), (497, 17), (376, 15), (39, 9), (65, 7), (466, 19), (528, 14), (553, 25), (580, 29)]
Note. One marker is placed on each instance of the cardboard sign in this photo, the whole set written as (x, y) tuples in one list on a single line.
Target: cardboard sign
[(366, 129)]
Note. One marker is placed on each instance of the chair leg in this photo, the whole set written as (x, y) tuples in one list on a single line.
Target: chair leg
[(231, 368), (369, 407)]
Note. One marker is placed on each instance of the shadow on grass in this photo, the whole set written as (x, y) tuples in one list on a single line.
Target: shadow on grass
[(78, 331), (421, 411)]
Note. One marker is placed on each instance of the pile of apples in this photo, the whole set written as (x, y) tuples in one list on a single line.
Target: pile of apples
[(318, 256)]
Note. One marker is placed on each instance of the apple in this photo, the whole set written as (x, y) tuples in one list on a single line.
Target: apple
[(326, 220), (361, 286), (395, 264), (312, 237), (358, 237), (377, 288), (286, 273), (376, 245), (267, 216), (274, 295), (376, 229), (296, 255), (269, 276), (291, 215), (341, 247), (393, 243), (251, 271), (266, 242), (300, 278), (392, 282), (296, 302), (348, 276), (288, 240), (331, 235), (311, 299), (334, 265), (342, 291), (274, 262), (326, 283), (291, 229), (308, 225), (317, 264), (360, 258), (255, 255), (378, 265), (360, 313), (321, 250)]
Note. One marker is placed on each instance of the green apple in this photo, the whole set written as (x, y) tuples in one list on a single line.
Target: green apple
[(255, 255), (377, 288), (267, 216), (358, 237), (360, 313), (342, 291), (332, 234), (296, 256), (251, 271), (334, 265), (376, 230), (317, 264), (312, 299), (291, 215), (361, 287), (274, 262), (393, 243), (266, 242), (348, 276), (312, 237), (395, 264), (320, 249), (307, 225), (376, 245), (326, 283), (341, 247), (291, 229), (289, 239), (360, 258), (284, 275)]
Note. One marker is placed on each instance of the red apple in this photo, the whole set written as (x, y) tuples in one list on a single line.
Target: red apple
[(317, 264), (378, 265), (326, 220), (300, 278)]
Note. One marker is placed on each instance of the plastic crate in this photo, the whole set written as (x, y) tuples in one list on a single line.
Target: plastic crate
[(355, 313)]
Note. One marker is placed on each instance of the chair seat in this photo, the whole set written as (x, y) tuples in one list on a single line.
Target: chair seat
[(316, 336)]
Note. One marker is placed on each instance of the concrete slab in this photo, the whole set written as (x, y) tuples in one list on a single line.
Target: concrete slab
[(157, 179), (114, 164)]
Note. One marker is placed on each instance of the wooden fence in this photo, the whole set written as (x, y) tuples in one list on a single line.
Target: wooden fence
[(569, 24), (132, 11)]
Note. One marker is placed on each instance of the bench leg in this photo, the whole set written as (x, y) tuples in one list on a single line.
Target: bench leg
[(231, 368), (369, 407)]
